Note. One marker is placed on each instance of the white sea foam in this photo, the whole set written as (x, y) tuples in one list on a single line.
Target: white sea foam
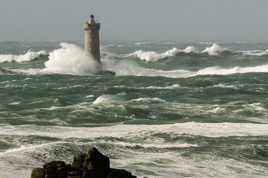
[(224, 86), (127, 68), (214, 50), (158, 100), (89, 96), (255, 52), (233, 70), (163, 163), (161, 88), (152, 56), (106, 99), (71, 59), (255, 107), (68, 59), (28, 56), (216, 110), (192, 128), (190, 49)]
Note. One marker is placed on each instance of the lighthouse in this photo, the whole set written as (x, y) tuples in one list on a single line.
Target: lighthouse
[(92, 38)]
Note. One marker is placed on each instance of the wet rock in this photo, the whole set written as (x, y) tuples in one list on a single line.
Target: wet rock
[(79, 161), (91, 165), (38, 173), (96, 164), (74, 174), (96, 160), (119, 173), (55, 169)]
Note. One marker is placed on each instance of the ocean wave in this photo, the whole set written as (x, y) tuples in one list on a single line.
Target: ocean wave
[(121, 131), (152, 56), (258, 53), (71, 59), (4, 71), (229, 71), (169, 87), (224, 86), (149, 100), (215, 50), (28, 56), (129, 68), (107, 100), (174, 86), (68, 59)]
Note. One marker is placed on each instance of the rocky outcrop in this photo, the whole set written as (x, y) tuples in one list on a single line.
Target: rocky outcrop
[(85, 165)]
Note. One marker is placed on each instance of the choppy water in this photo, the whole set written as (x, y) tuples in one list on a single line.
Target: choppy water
[(173, 109)]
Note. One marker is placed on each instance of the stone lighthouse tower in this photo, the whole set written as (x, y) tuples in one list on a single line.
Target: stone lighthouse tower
[(92, 38)]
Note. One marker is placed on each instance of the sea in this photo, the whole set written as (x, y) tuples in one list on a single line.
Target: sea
[(173, 109)]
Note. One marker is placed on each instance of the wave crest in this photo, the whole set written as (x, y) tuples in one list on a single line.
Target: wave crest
[(152, 56), (28, 56), (214, 50)]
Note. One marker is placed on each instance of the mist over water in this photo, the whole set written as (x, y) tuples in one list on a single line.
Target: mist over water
[(172, 110)]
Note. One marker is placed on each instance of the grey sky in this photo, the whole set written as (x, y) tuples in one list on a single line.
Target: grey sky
[(185, 20)]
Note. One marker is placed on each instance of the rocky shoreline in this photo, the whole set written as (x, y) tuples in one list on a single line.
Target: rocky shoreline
[(85, 165)]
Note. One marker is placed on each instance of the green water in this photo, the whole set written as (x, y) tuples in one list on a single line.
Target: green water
[(168, 112)]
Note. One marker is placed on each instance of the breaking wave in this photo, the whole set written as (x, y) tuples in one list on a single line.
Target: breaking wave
[(128, 68), (68, 59), (71, 59), (214, 50), (258, 53), (28, 56), (152, 56)]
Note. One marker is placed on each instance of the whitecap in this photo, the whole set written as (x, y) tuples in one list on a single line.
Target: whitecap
[(214, 50), (28, 56), (258, 53), (158, 100), (174, 86), (152, 56)]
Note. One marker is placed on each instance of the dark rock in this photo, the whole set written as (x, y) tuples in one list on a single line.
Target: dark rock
[(96, 164), (38, 173), (97, 161), (70, 176), (55, 169), (91, 165), (74, 174), (79, 161), (119, 173)]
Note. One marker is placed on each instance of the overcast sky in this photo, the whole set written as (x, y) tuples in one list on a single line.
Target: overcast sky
[(180, 20)]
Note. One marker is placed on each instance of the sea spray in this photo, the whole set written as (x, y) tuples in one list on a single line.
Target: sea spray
[(71, 59)]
